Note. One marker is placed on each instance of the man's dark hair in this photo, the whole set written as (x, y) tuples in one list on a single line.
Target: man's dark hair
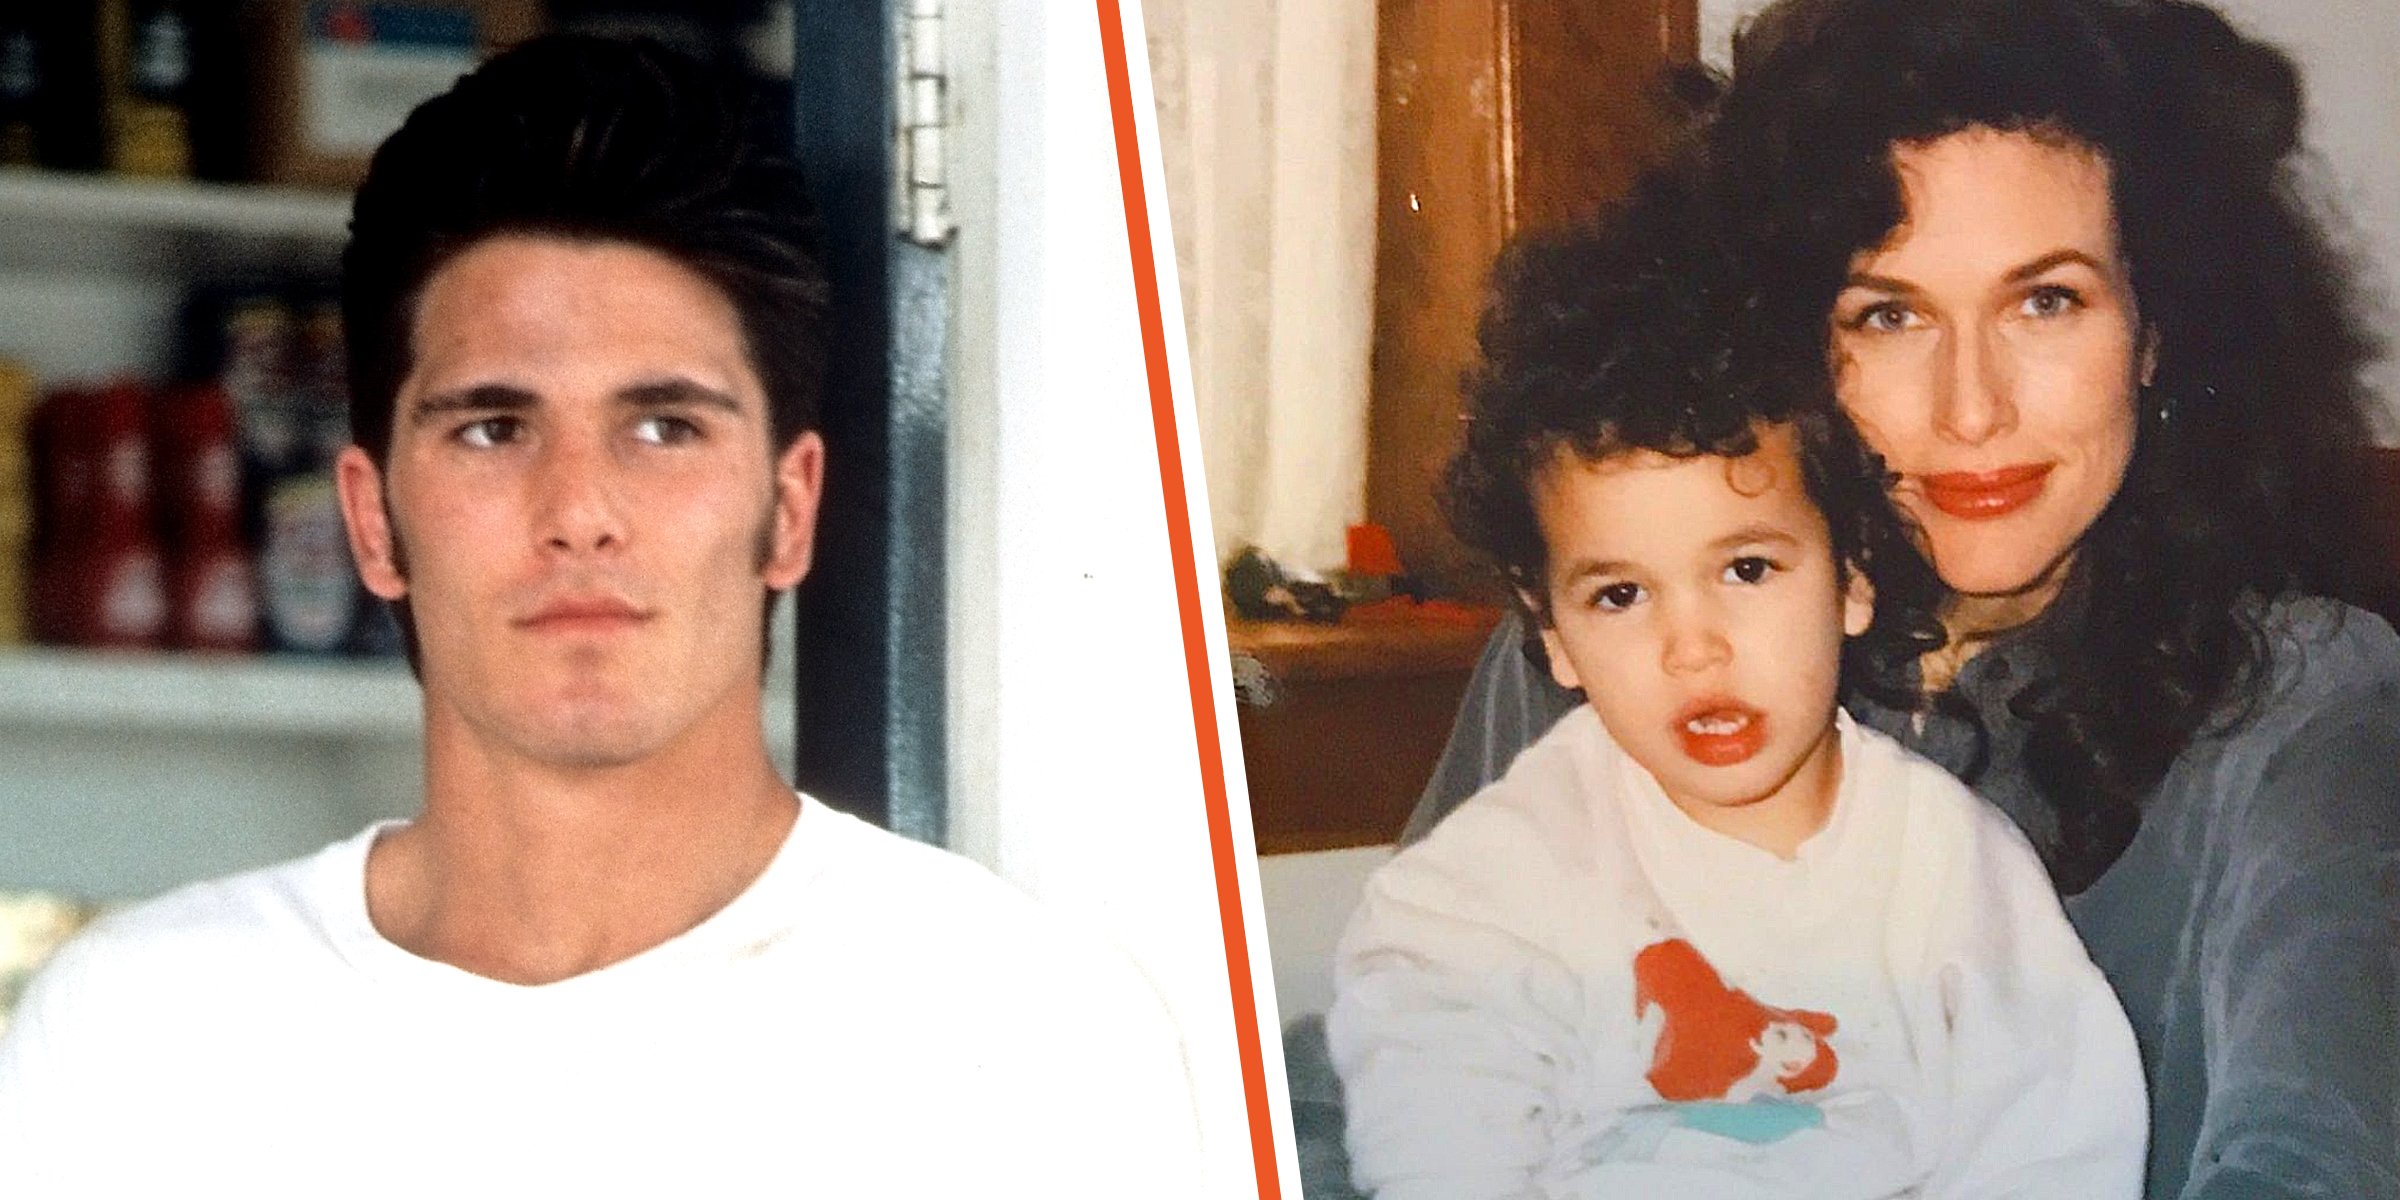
[(588, 139), (2250, 425), (1642, 331)]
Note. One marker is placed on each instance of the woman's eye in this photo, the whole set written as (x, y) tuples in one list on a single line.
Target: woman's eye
[(489, 432), (1617, 597), (1891, 316), (660, 429), (1749, 568), (2051, 301)]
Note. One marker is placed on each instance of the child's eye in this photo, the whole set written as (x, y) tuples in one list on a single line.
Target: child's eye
[(488, 432), (1617, 597), (2051, 300), (1749, 568), (661, 429)]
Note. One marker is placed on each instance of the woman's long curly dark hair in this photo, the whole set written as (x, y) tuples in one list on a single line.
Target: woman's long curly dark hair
[(2229, 499), (1642, 331)]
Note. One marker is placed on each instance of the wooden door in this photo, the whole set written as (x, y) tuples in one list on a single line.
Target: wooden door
[(1495, 116)]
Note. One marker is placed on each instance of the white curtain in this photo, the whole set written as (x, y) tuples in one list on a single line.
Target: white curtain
[(1266, 117)]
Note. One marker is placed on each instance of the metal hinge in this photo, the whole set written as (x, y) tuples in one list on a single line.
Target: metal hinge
[(920, 177)]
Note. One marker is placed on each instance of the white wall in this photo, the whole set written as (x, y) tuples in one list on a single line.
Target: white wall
[(1312, 897), (1074, 767), (2346, 49)]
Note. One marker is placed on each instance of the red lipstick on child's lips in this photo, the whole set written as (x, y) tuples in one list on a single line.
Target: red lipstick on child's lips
[(1718, 732), (1984, 495)]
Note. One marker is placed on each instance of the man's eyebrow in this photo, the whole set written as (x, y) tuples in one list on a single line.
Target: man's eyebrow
[(668, 392), (482, 397), (502, 397)]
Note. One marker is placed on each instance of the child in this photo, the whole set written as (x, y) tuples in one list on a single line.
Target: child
[(1708, 937)]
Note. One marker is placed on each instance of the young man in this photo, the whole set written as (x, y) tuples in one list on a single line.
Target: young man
[(616, 952)]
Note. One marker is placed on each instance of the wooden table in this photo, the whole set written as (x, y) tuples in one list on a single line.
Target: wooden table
[(1354, 717)]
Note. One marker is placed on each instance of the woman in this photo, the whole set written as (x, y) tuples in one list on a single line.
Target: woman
[(2067, 292)]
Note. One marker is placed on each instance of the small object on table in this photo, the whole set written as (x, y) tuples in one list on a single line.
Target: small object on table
[(1261, 590)]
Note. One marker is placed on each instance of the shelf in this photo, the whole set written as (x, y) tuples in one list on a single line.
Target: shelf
[(325, 699), (58, 689), (62, 221)]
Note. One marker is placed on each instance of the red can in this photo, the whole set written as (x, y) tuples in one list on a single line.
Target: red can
[(212, 581), (65, 479), (124, 588)]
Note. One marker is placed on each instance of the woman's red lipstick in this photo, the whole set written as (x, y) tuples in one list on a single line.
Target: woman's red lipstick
[(1720, 732), (1984, 495)]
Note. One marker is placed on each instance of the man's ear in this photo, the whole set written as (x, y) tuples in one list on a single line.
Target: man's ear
[(1858, 603), (2149, 361), (1554, 648), (360, 485), (799, 488)]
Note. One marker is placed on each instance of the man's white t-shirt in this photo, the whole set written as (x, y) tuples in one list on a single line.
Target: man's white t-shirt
[(871, 1017)]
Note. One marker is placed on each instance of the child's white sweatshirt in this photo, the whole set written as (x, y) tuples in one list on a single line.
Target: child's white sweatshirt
[(1571, 989)]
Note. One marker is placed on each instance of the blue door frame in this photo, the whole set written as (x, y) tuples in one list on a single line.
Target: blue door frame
[(871, 663)]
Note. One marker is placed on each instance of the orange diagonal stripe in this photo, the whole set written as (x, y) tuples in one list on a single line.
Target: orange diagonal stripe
[(1187, 595)]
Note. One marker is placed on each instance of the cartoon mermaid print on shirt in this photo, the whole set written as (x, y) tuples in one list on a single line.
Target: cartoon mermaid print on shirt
[(1723, 1062), (1717, 1043)]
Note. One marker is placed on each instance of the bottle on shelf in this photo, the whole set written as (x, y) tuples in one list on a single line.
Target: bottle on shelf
[(212, 583), (323, 372), (22, 74), (102, 577), (62, 486), (146, 73), (310, 585), (53, 58), (128, 587), (247, 335)]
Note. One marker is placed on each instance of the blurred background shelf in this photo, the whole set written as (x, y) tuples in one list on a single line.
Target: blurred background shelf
[(94, 269), (122, 774), (134, 693), (128, 693), (62, 221)]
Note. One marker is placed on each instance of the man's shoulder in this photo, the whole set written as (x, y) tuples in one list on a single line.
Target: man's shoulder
[(864, 856), (943, 935), (167, 979), (905, 892), (215, 925)]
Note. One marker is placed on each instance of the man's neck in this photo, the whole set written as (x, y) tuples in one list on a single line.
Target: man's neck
[(531, 873)]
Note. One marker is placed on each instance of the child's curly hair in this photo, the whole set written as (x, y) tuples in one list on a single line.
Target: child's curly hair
[(1642, 331)]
